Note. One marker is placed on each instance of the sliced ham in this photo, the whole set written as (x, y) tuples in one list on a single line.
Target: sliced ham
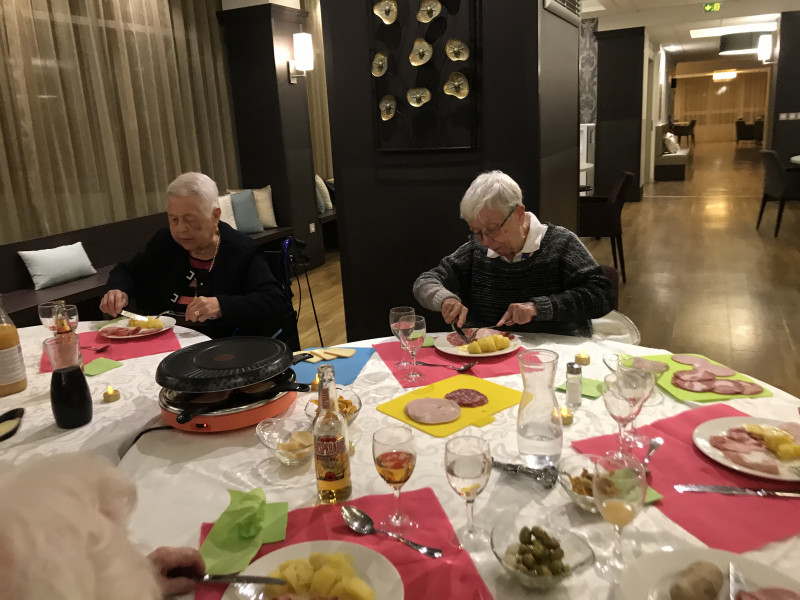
[(728, 386), (689, 359), (719, 370), (433, 411), (769, 594), (793, 429), (649, 365), (694, 375), (750, 387), (693, 386), (728, 443), (753, 460)]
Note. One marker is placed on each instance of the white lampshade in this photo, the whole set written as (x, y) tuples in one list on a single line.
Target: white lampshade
[(303, 52), (765, 47)]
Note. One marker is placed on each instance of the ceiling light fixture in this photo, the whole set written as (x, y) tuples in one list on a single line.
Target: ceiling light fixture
[(764, 27), (738, 43), (725, 75)]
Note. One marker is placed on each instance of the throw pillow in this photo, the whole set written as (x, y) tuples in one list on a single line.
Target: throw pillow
[(671, 143), (245, 212), (323, 197), (227, 210), (266, 212), (57, 265)]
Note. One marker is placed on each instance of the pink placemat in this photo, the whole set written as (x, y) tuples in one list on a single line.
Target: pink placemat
[(452, 576), (157, 343), (494, 366), (733, 523)]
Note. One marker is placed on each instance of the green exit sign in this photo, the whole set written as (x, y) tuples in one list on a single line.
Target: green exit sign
[(712, 7)]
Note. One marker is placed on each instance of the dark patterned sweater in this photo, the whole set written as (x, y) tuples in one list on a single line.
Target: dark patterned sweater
[(561, 279)]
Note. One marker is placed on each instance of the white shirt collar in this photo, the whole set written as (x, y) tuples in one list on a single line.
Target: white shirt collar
[(532, 241)]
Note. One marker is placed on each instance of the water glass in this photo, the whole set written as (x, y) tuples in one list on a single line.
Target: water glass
[(624, 393), (539, 429), (394, 320), (412, 329), (468, 464)]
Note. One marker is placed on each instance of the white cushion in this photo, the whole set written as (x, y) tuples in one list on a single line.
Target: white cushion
[(671, 143), (323, 194), (266, 212), (57, 265), (227, 210)]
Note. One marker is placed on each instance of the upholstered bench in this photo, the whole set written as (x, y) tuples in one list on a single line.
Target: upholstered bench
[(669, 166), (105, 245)]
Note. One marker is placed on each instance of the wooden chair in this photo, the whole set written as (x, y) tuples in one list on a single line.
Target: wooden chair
[(601, 216), (780, 185)]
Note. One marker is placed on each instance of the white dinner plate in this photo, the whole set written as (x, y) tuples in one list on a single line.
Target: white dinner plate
[(372, 567), (650, 576), (788, 470), (442, 344), (168, 322)]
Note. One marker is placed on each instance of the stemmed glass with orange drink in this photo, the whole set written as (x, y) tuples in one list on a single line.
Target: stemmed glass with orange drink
[(395, 456)]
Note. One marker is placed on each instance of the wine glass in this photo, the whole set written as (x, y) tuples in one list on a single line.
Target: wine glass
[(624, 393), (46, 315), (618, 486), (395, 456), (394, 320), (468, 464), (624, 363), (412, 332)]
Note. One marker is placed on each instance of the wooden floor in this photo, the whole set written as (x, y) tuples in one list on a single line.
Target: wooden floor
[(700, 277)]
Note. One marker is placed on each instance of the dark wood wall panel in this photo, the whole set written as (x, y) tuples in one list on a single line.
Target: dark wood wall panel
[(398, 211), (786, 134), (620, 64)]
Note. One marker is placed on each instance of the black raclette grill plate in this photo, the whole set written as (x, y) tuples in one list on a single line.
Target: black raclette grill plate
[(223, 364)]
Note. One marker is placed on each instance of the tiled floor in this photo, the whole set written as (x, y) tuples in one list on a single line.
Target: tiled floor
[(700, 277)]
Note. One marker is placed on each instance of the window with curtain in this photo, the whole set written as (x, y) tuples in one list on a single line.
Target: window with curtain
[(102, 104)]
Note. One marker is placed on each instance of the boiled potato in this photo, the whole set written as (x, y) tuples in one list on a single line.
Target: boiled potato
[(487, 344), (276, 590), (699, 581), (788, 451), (323, 581), (501, 341), (322, 575), (359, 590), (474, 348)]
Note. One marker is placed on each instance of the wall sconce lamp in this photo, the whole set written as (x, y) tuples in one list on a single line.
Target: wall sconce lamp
[(765, 47), (303, 57)]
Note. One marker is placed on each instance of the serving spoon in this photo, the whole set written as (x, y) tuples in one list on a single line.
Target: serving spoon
[(362, 523)]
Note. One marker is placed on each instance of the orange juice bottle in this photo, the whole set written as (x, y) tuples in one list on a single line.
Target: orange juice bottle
[(12, 368)]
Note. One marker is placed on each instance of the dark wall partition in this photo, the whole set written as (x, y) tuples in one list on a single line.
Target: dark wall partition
[(620, 68), (398, 210), (786, 134)]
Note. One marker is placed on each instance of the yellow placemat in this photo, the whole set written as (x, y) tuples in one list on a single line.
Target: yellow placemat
[(500, 398)]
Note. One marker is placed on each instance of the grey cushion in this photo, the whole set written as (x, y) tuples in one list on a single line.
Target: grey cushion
[(679, 158)]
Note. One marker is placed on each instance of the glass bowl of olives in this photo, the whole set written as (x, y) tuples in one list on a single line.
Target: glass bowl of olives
[(538, 558)]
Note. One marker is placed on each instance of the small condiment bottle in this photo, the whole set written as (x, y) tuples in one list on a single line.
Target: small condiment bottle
[(574, 385)]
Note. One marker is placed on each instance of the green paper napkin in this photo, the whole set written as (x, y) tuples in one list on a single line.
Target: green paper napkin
[(100, 365), (241, 529), (590, 388), (428, 343), (652, 496), (623, 479)]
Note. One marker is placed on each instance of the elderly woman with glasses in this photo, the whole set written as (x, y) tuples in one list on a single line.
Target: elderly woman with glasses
[(514, 270)]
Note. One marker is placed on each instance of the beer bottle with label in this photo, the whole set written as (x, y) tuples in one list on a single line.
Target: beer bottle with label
[(331, 445), (12, 367)]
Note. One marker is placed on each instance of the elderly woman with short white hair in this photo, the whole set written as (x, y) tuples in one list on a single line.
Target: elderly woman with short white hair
[(515, 271), (203, 268)]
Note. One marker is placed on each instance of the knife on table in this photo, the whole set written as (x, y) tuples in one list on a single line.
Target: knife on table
[(547, 476), (735, 491), (236, 578)]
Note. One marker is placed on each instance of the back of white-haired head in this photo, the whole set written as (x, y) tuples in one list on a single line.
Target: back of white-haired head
[(196, 184), (64, 535), (493, 189)]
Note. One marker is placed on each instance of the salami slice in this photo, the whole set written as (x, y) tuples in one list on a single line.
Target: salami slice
[(694, 375), (750, 387), (693, 386), (728, 386), (433, 411), (689, 359), (719, 370), (467, 398), (649, 365)]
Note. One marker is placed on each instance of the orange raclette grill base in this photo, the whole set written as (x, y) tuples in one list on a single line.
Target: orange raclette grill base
[(212, 423)]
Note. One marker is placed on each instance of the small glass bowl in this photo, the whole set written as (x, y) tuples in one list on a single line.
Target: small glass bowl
[(291, 444), (344, 392), (505, 541), (574, 466)]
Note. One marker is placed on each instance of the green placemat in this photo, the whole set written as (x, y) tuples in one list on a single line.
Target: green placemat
[(590, 388), (428, 343)]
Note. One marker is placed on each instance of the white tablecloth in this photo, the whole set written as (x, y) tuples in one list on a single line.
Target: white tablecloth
[(182, 478), (113, 425)]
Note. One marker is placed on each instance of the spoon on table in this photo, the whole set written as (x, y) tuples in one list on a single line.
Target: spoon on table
[(460, 369), (97, 349), (655, 444), (362, 523)]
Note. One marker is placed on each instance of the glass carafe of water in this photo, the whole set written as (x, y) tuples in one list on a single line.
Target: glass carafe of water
[(539, 431)]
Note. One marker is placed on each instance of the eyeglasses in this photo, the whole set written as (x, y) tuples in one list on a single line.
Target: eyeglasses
[(492, 232)]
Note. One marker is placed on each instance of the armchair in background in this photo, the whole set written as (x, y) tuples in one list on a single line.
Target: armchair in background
[(780, 185)]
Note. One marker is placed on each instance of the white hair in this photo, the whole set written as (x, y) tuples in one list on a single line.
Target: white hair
[(493, 189), (63, 532), (196, 184)]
